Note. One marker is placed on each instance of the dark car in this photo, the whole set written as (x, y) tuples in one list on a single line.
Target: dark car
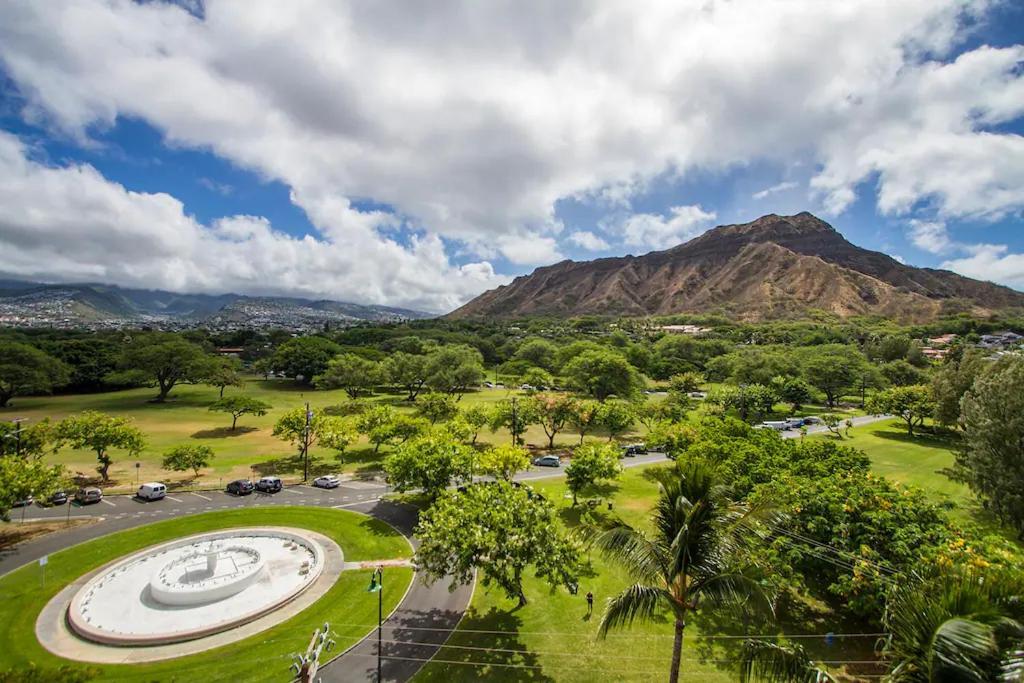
[(634, 449), (240, 487), (269, 485), (59, 498), (24, 502)]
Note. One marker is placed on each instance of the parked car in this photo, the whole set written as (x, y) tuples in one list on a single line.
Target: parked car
[(59, 498), (489, 385), (548, 461), (269, 484), (24, 502), (812, 420), (777, 425), (634, 449), (328, 481), (240, 487), (153, 490), (89, 494), (794, 423)]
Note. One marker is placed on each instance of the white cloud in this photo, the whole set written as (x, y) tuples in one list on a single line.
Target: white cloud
[(931, 236), (992, 262), (661, 232), (774, 189), (474, 119), (589, 241), (73, 222)]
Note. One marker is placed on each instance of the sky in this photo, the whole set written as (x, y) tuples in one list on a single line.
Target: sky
[(416, 154)]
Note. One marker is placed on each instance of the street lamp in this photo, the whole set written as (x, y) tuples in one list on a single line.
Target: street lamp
[(16, 434), (377, 586)]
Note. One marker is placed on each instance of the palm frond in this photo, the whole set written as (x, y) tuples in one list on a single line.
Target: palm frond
[(638, 602), (639, 555), (1012, 666), (964, 647), (731, 588), (773, 663)]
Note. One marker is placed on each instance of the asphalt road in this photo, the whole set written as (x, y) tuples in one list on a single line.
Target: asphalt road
[(406, 642)]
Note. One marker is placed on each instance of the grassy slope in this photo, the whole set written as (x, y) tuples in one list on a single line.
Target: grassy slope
[(263, 657)]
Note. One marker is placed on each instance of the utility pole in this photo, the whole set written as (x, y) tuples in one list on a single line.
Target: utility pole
[(515, 437), (306, 665), (377, 586), (16, 434), (305, 444)]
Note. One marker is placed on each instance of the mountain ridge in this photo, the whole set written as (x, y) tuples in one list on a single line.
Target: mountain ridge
[(772, 267)]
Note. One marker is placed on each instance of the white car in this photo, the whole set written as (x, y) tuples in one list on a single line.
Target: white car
[(328, 481), (153, 490)]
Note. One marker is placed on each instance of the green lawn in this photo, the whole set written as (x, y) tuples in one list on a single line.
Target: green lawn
[(262, 657), (553, 638)]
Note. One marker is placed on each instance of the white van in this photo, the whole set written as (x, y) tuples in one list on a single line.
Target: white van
[(152, 491), (778, 426)]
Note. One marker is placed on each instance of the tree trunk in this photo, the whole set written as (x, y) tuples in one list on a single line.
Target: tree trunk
[(519, 587), (234, 421), (165, 388), (222, 387), (677, 652), (104, 466), (551, 441), (5, 396)]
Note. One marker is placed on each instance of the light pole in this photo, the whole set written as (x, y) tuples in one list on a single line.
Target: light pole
[(137, 466), (514, 418), (16, 434), (305, 444), (377, 586)]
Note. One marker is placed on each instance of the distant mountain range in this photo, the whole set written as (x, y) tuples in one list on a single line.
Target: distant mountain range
[(89, 304), (774, 267)]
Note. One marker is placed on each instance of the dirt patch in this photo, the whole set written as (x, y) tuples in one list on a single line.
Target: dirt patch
[(13, 533)]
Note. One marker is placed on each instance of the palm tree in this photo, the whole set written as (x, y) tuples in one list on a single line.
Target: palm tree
[(697, 554), (957, 626), (775, 663)]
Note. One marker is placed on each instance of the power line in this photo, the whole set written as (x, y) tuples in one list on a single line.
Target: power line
[(853, 556)]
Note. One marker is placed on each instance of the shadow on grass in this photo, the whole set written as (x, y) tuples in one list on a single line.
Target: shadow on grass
[(289, 464), (921, 437), (223, 432)]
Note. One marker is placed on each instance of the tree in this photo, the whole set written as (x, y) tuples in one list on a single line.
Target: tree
[(616, 417), (992, 454), (305, 357), (332, 431), (100, 433), (953, 380), (27, 476), (514, 415), (792, 390), (686, 382), (454, 369), (225, 372), (25, 369), (772, 662), (376, 423), (404, 427), (26, 439), (240, 405), (833, 423), (590, 464), (584, 417), (355, 374), (499, 529), (430, 463), (912, 404), (955, 626), (539, 353), (748, 399), (552, 411), (902, 374), (502, 462), (437, 407), (537, 378), (698, 556), (188, 457), (475, 418), (833, 369), (163, 362), (601, 374), (407, 371)]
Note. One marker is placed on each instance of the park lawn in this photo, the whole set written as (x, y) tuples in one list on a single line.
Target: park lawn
[(552, 637), (265, 656), (251, 450)]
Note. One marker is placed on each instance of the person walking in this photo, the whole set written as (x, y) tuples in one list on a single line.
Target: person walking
[(590, 603)]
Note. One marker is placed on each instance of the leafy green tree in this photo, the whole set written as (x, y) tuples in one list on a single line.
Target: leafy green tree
[(100, 433), (502, 462), (376, 423), (430, 463), (590, 464), (601, 374), (514, 415), (225, 372), (772, 662), (27, 476), (751, 401), (911, 404), (955, 626), (407, 371), (700, 555), (188, 457), (355, 374), (239, 405), (329, 430), (539, 353), (900, 373), (305, 357), (833, 423), (437, 407), (475, 418), (164, 362), (499, 529), (953, 380), (616, 417), (833, 369), (671, 438), (538, 378), (553, 411), (584, 418), (404, 427), (25, 369), (992, 454), (264, 366), (792, 390), (686, 382), (27, 439), (454, 369)]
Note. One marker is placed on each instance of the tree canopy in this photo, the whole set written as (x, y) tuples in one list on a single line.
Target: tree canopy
[(25, 369), (304, 357), (163, 361), (188, 457), (601, 374), (239, 405), (355, 374), (100, 433)]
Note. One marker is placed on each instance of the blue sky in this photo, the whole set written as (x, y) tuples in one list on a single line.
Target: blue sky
[(358, 152)]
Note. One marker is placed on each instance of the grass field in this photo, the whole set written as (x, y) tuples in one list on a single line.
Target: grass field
[(262, 657)]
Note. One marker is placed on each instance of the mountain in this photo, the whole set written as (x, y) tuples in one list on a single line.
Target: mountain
[(90, 304), (774, 267)]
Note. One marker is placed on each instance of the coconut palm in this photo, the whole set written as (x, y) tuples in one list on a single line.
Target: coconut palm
[(775, 663), (957, 626), (698, 553)]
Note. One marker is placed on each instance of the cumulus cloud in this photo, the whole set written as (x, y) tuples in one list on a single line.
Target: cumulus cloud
[(73, 222), (589, 241), (661, 232), (774, 189), (930, 236), (474, 119), (993, 262)]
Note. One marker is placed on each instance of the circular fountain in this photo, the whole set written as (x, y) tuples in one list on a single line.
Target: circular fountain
[(194, 587)]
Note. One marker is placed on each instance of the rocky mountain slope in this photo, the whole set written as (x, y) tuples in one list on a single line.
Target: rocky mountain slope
[(773, 267)]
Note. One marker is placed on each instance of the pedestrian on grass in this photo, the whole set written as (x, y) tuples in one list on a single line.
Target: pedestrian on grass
[(590, 603)]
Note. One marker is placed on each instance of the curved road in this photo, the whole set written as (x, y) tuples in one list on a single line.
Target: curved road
[(423, 607)]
